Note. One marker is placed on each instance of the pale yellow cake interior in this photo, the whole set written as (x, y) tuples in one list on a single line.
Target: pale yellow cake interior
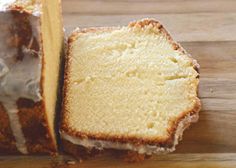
[(128, 82), (52, 36)]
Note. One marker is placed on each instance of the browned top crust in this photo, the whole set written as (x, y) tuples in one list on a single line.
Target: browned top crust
[(162, 142)]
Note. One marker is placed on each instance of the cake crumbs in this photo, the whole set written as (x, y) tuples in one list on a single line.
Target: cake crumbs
[(211, 90), (70, 162)]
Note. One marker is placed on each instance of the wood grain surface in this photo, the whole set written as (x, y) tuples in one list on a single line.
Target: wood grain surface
[(168, 161), (183, 27), (207, 30)]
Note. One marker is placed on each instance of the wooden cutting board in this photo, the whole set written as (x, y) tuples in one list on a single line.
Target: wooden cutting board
[(207, 30)]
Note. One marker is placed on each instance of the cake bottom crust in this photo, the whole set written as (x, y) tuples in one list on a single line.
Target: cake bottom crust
[(81, 153)]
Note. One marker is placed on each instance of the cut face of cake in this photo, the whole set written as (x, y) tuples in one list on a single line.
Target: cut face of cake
[(31, 42), (128, 88)]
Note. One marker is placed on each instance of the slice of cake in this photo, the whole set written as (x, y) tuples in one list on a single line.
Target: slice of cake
[(127, 88), (31, 42)]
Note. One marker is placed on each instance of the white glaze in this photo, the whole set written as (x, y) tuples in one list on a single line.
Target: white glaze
[(18, 78), (16, 126), (141, 149), (5, 3), (37, 9)]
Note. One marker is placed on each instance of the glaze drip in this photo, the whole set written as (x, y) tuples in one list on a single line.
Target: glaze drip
[(19, 78)]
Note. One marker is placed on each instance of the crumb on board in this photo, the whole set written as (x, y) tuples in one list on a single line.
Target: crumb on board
[(70, 162), (211, 90)]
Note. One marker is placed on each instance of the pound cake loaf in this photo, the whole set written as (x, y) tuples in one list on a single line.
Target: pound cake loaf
[(31, 42), (127, 88)]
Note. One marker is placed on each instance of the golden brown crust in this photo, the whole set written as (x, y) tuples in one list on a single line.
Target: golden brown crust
[(7, 141), (31, 115), (162, 142), (35, 127)]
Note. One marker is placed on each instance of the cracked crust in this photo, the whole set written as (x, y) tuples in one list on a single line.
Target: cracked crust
[(162, 142)]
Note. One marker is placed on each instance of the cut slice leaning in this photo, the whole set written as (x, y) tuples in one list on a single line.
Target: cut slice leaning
[(128, 88)]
